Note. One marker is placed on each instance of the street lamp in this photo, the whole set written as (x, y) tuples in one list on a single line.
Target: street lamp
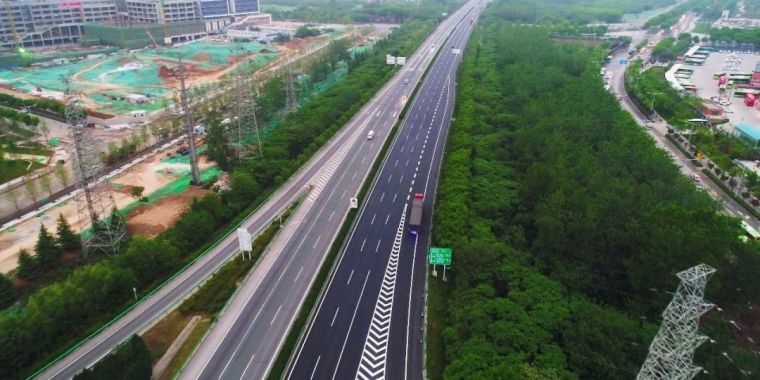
[(744, 170)]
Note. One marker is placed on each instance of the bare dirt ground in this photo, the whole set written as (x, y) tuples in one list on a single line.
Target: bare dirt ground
[(152, 174), (153, 219)]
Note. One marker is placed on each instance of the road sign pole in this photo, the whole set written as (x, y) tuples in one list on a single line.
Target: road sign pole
[(435, 274), (444, 273)]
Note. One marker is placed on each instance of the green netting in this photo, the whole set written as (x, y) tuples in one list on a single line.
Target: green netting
[(175, 187), (54, 141), (108, 81)]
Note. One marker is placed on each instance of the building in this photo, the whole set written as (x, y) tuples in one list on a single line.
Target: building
[(754, 80), (748, 132), (221, 8), (711, 110), (38, 23), (162, 11), (218, 14)]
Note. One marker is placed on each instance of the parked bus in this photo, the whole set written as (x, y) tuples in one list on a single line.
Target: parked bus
[(751, 232)]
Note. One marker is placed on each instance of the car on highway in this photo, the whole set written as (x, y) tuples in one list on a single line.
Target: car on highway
[(370, 135), (695, 177)]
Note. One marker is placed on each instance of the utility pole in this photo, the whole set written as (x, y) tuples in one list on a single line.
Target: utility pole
[(187, 119), (671, 353)]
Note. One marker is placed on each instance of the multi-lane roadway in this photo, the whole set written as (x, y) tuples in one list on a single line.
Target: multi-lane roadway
[(246, 339), (369, 321), (379, 111)]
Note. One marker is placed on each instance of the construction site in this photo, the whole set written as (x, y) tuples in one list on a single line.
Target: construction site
[(106, 86), (140, 79)]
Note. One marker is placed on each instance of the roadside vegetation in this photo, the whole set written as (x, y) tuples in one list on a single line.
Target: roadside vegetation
[(44, 104), (59, 315), (130, 361), (709, 10), (568, 226), (206, 303), (653, 93), (352, 11), (669, 48)]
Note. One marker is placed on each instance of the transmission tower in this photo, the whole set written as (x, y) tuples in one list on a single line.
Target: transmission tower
[(187, 120), (291, 95), (94, 198), (245, 113), (671, 353)]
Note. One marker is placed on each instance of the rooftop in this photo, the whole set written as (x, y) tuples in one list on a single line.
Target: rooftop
[(750, 130)]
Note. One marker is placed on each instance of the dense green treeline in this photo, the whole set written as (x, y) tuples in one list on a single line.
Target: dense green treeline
[(45, 104), (573, 11), (58, 315), (709, 10), (568, 224), (735, 35), (351, 11)]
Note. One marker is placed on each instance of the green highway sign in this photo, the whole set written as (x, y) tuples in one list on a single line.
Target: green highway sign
[(439, 256)]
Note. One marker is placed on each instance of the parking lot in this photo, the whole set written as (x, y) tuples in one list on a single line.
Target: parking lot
[(707, 87)]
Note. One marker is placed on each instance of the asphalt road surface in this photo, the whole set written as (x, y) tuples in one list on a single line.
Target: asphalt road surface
[(246, 339), (369, 323), (390, 98)]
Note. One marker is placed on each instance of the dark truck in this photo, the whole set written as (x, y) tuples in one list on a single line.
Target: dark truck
[(415, 219)]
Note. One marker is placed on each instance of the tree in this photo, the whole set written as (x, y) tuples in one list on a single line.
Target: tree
[(149, 258), (62, 174), (30, 185), (130, 361), (27, 265), (44, 129), (47, 251), (14, 195), (67, 239), (136, 191), (8, 292), (144, 136), (218, 141), (46, 183)]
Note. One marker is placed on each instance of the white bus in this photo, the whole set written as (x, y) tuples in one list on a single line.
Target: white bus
[(751, 232)]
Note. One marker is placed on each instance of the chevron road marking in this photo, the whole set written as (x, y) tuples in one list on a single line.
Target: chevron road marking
[(372, 362)]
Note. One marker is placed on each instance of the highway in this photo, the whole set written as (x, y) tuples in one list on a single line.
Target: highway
[(380, 111), (369, 322), (247, 337)]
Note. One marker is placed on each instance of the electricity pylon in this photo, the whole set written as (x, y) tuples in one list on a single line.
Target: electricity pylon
[(94, 197), (671, 353), (291, 94), (187, 120)]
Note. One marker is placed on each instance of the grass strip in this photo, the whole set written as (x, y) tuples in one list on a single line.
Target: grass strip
[(209, 300), (184, 352), (436, 321)]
